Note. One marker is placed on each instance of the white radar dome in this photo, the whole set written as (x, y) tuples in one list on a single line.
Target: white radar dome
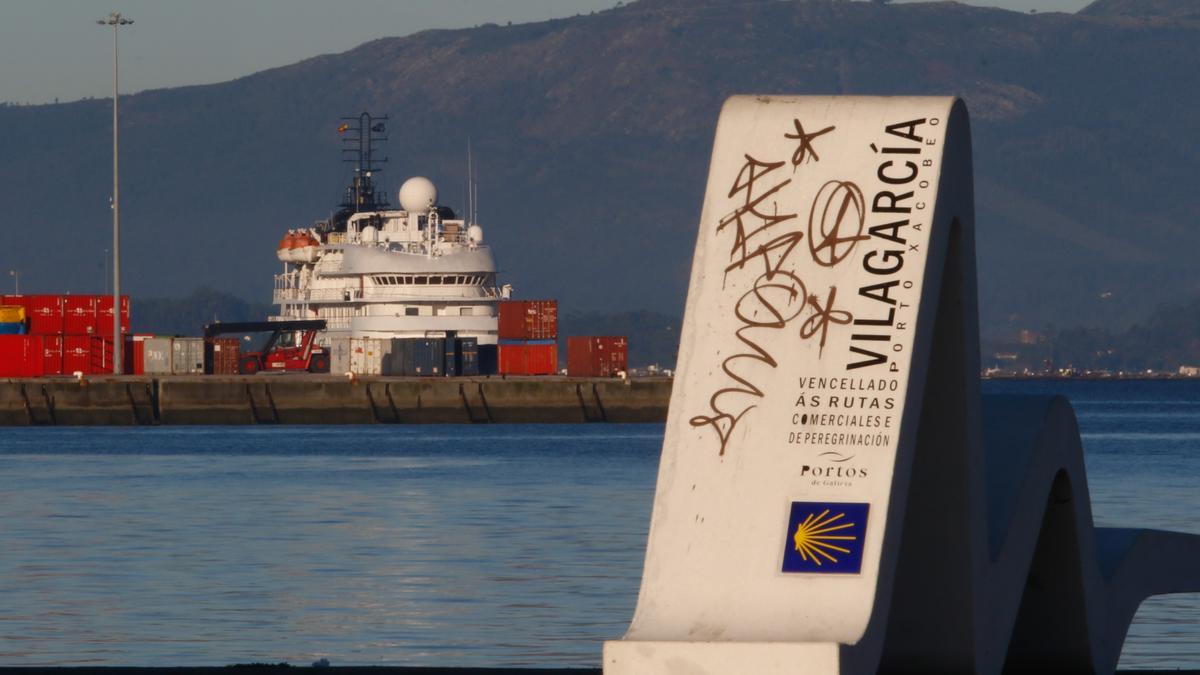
[(369, 234), (475, 234), (418, 194)]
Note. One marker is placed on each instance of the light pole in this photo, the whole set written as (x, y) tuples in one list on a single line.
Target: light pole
[(16, 281), (116, 21)]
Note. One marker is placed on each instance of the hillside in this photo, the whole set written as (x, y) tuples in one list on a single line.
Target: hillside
[(593, 135), (1165, 340), (1145, 9)]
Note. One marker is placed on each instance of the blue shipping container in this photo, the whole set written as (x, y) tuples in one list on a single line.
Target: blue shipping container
[(400, 360), (12, 328), (489, 360), (450, 362), (466, 357), (428, 357)]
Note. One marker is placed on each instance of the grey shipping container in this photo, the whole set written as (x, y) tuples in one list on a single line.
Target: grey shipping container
[(339, 356), (466, 357), (157, 353), (187, 356), (367, 355)]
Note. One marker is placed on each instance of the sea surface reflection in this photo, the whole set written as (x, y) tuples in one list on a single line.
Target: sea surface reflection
[(440, 546)]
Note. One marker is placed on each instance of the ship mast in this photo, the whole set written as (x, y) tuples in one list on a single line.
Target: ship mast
[(359, 137)]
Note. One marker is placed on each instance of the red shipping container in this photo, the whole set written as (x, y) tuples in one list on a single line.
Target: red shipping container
[(597, 356), (77, 354), (225, 354), (527, 358), (101, 355), (21, 356), (52, 354), (135, 354), (79, 314), (104, 314), (528, 319), (44, 312)]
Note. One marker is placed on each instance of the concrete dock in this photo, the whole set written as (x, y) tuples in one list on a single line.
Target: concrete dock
[(324, 399), (274, 669)]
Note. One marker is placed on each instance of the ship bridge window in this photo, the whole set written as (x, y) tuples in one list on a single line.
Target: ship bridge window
[(421, 281), (410, 311)]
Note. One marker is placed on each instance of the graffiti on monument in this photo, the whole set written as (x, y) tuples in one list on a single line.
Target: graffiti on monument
[(826, 264)]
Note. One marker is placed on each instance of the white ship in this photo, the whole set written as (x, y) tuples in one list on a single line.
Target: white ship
[(372, 271)]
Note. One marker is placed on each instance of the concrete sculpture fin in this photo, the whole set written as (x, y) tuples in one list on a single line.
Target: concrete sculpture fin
[(834, 496)]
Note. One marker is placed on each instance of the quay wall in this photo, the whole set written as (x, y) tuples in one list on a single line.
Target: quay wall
[(323, 399)]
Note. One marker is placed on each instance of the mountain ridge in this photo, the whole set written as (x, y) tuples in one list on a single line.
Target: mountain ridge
[(592, 136)]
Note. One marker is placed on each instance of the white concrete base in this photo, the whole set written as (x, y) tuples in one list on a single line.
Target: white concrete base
[(629, 657)]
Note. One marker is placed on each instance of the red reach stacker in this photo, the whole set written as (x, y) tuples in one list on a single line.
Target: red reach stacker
[(291, 347)]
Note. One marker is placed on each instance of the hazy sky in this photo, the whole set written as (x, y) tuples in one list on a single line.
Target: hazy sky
[(53, 49)]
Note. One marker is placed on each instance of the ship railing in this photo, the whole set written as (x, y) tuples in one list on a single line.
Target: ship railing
[(454, 237), (337, 322), (287, 280), (433, 293), (317, 295), (390, 294)]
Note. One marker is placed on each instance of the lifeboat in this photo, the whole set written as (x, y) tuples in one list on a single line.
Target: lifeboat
[(284, 252), (304, 247)]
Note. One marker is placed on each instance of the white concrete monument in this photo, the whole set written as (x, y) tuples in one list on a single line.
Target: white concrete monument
[(834, 496)]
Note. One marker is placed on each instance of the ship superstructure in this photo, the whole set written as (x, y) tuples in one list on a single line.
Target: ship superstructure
[(379, 272)]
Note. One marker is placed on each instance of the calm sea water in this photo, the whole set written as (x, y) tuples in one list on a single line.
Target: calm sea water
[(446, 545)]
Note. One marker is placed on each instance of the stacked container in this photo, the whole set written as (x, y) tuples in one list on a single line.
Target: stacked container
[(597, 356), (528, 337), (528, 319), (74, 332), (12, 320), (100, 354), (77, 355), (52, 354), (21, 356), (104, 315), (43, 313), (79, 315)]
